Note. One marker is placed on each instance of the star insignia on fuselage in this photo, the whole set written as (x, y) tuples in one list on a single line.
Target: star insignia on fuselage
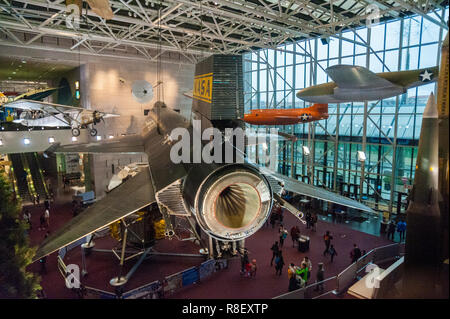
[(304, 117), (426, 76)]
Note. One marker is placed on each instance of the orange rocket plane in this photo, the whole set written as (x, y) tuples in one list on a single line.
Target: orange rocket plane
[(287, 116)]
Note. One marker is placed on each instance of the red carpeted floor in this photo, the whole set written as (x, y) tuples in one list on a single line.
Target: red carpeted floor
[(226, 283), (52, 282)]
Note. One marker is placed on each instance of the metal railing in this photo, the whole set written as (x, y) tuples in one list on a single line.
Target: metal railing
[(386, 253), (340, 283), (311, 291), (346, 277)]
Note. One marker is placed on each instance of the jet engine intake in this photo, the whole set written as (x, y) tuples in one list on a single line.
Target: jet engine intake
[(231, 202)]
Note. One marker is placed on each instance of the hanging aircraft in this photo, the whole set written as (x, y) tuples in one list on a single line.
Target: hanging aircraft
[(354, 83), (287, 116), (102, 8), (254, 137), (44, 114), (230, 201)]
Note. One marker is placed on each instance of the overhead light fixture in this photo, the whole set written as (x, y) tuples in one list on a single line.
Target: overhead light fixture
[(306, 150), (361, 156), (26, 141), (74, 139), (51, 140), (111, 136), (98, 137)]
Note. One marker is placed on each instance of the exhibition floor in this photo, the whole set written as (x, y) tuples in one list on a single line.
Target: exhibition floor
[(227, 283)]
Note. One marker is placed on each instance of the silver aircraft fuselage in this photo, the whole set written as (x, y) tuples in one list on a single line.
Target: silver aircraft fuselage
[(330, 93)]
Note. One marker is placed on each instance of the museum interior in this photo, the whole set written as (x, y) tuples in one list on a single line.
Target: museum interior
[(278, 149)]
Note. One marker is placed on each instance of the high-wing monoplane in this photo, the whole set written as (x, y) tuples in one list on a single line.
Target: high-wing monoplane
[(44, 114)]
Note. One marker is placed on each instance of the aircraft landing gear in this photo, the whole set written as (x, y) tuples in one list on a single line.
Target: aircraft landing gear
[(93, 132), (76, 131)]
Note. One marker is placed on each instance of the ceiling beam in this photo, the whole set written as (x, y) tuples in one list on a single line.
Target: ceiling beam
[(91, 36), (67, 53), (416, 10), (135, 21)]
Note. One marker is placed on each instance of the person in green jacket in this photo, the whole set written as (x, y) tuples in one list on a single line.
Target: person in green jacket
[(303, 272)]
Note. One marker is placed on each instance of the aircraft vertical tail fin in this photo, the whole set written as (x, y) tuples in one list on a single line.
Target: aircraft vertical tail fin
[(322, 108)]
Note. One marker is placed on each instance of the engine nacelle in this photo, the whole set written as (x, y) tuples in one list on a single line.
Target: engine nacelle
[(230, 202)]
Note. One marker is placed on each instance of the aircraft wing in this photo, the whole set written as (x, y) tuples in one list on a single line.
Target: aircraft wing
[(30, 105), (124, 144), (115, 205), (254, 138), (353, 76), (101, 8), (295, 186), (38, 94)]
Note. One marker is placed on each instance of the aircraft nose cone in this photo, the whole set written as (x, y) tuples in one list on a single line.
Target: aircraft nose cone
[(305, 93), (302, 93)]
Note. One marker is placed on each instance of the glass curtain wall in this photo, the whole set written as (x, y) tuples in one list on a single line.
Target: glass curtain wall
[(390, 136)]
